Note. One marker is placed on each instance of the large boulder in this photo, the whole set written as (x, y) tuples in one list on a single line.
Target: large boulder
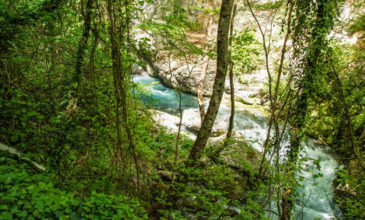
[(179, 74), (170, 122), (191, 119), (190, 123), (240, 155)]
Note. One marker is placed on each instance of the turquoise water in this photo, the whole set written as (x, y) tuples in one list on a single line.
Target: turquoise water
[(163, 98)]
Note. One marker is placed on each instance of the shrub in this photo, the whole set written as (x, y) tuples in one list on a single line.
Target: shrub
[(27, 195)]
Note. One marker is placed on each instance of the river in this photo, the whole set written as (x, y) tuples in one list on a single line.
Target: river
[(314, 198)]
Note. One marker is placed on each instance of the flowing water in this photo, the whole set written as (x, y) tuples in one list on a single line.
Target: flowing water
[(315, 195)]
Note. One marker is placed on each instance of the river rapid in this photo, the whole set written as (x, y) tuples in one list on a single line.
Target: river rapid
[(314, 195)]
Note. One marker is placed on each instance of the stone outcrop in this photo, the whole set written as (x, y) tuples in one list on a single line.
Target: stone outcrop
[(191, 119), (184, 77), (171, 123), (240, 156), (190, 123)]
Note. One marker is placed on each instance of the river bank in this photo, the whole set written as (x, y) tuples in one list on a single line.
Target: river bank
[(315, 198)]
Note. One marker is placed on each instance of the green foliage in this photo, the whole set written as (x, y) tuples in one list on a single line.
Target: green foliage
[(27, 195), (327, 123), (172, 31), (245, 53), (214, 189), (253, 208), (201, 192), (90, 174), (268, 5), (357, 25), (15, 16), (351, 197)]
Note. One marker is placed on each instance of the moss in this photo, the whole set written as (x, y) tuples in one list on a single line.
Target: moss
[(357, 25)]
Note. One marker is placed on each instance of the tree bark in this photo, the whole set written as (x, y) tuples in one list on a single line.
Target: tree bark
[(83, 42), (346, 113), (231, 117), (119, 83), (274, 116), (79, 58), (204, 73), (302, 104), (201, 89), (218, 87), (231, 82)]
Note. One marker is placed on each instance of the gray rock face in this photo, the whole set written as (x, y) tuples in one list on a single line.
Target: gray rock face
[(185, 76), (178, 74)]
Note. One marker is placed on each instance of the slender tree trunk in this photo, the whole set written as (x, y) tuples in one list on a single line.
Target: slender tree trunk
[(218, 87), (180, 123), (231, 117), (231, 82), (346, 113), (119, 83), (91, 67), (180, 113), (201, 88), (83, 42), (301, 105), (203, 74), (267, 53), (79, 58), (116, 71), (273, 116)]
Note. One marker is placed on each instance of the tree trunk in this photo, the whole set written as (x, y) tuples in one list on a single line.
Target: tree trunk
[(119, 83), (201, 89), (274, 116), (231, 82), (204, 73), (180, 123), (346, 114), (83, 42), (72, 104), (231, 117), (218, 87), (302, 104)]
